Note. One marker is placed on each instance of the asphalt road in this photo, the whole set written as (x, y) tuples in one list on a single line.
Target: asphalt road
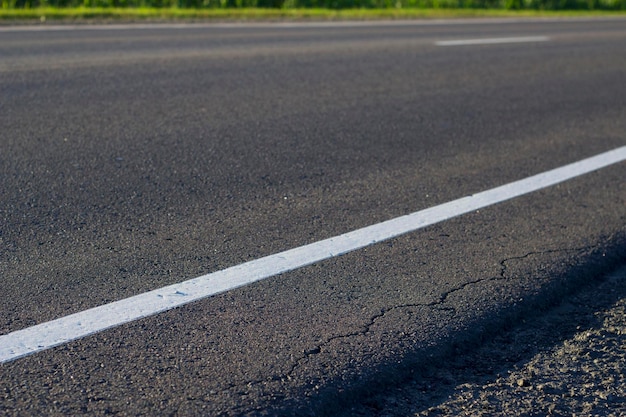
[(136, 157)]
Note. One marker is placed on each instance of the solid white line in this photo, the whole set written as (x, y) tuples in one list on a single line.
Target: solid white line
[(319, 24), (251, 24), (56, 332), (273, 25), (492, 41)]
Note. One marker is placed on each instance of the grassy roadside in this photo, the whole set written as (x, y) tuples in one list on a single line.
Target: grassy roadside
[(82, 14)]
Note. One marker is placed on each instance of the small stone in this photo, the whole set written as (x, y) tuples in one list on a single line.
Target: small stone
[(313, 351), (523, 382)]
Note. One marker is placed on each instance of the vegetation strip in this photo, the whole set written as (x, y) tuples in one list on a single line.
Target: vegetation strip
[(44, 14)]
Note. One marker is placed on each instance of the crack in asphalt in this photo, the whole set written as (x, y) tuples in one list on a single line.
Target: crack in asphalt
[(504, 267), (442, 299), (364, 329)]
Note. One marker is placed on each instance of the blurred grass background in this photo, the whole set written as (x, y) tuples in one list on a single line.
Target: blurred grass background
[(303, 9), (328, 4)]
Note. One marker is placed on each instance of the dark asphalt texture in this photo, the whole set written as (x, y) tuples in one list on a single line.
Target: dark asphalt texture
[(133, 158)]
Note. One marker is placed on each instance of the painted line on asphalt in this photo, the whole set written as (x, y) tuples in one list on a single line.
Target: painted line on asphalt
[(251, 24), (43, 336), (286, 24), (46, 27), (492, 41)]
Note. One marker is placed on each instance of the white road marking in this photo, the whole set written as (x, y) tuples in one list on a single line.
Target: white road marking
[(63, 330), (255, 25), (492, 41), (285, 24)]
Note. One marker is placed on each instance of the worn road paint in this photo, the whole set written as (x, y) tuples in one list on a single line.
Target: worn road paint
[(492, 41)]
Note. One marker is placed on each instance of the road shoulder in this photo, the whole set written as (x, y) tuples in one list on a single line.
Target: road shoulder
[(567, 360)]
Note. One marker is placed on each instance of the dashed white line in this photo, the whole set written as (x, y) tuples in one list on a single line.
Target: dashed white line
[(57, 332), (492, 41)]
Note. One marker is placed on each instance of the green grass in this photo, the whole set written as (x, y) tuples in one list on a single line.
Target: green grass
[(150, 14)]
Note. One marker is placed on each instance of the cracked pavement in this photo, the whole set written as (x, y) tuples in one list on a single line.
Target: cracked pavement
[(379, 339), (564, 359), (204, 147)]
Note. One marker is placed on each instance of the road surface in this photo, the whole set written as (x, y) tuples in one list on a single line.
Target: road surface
[(137, 157)]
